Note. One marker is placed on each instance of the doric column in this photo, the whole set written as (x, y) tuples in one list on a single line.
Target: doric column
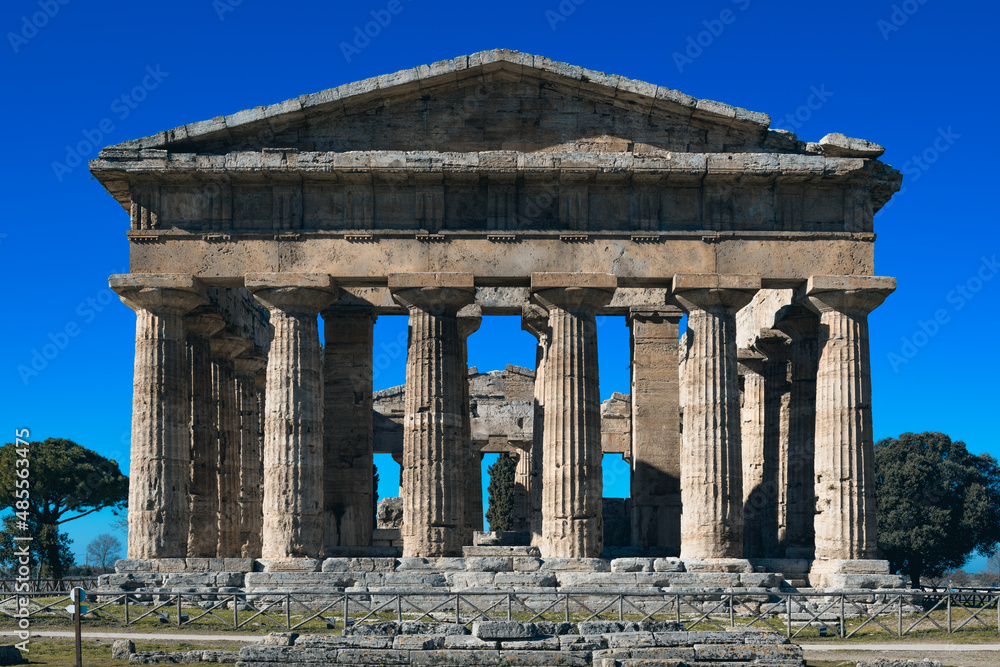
[(347, 438), (225, 348), (656, 489), (752, 450), (293, 421), (434, 465), (161, 436), (469, 320), (522, 491), (802, 326), (535, 321), (203, 489), (774, 491), (572, 488), (249, 379), (845, 458), (711, 469)]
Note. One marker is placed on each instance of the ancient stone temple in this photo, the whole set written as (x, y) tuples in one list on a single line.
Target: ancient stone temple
[(501, 184)]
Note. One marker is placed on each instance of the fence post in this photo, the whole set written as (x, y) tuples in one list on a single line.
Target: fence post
[(236, 611), (399, 608), (510, 616), (345, 611), (732, 619), (126, 610), (621, 607), (900, 600), (788, 613), (843, 617), (949, 612), (178, 610), (288, 611), (567, 607)]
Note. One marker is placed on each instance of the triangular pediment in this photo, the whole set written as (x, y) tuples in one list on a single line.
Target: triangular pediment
[(491, 101)]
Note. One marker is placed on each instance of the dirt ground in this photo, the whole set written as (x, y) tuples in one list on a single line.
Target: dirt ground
[(850, 657)]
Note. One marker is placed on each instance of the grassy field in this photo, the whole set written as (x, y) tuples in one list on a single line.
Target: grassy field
[(58, 652)]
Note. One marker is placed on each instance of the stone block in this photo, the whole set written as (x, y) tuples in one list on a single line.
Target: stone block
[(575, 642), (495, 564), (632, 565), (544, 658), (668, 565), (364, 656), (288, 565), (606, 627), (344, 641), (448, 564), (451, 657), (386, 535), (510, 538), (121, 649), (575, 565), (417, 642), (524, 564), (505, 580), (597, 579), (420, 579), (279, 639), (500, 630), (540, 643), (631, 640), (425, 628), (132, 565), (471, 552), (381, 629), (469, 642), (717, 565), (413, 564), (471, 580)]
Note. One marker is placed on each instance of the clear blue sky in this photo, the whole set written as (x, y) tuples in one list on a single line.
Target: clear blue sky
[(918, 77)]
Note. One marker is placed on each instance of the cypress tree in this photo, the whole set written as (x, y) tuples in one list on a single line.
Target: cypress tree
[(500, 514)]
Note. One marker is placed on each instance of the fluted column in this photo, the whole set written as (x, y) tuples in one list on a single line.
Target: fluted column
[(711, 461), (535, 321), (522, 491), (434, 458), (655, 485), (572, 488), (752, 451), (293, 422), (469, 320), (845, 458), (776, 348), (802, 326), (203, 489), (249, 373), (161, 437), (225, 347), (347, 449)]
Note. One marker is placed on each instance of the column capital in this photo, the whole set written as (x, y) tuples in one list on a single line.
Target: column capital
[(160, 293), (227, 345), (203, 323), (797, 322), (469, 320), (350, 310), (752, 361), (714, 291), (296, 293), (773, 344), (444, 292), (852, 295), (655, 314), (251, 363), (534, 320), (573, 292)]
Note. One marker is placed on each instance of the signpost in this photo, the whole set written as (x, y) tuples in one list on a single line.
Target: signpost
[(77, 609)]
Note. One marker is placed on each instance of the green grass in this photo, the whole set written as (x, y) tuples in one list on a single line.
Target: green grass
[(59, 652)]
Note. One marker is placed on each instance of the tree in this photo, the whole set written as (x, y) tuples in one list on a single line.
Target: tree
[(936, 503), (501, 493), (104, 550), (46, 540), (65, 482)]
